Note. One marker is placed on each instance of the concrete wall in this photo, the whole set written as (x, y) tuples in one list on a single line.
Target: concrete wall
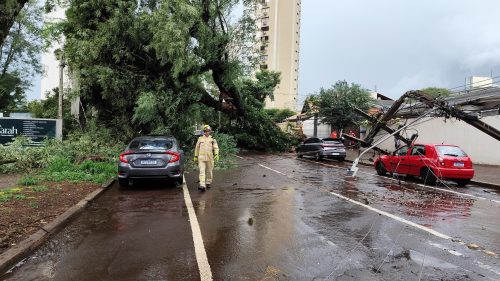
[(482, 148)]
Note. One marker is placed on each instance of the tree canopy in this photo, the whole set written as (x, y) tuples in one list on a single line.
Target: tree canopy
[(20, 55), (336, 105), (142, 65), (436, 92), (9, 10)]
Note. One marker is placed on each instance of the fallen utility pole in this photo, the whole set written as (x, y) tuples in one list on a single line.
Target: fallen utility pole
[(354, 168), (435, 104)]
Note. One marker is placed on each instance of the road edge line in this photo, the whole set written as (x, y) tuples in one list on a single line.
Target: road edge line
[(199, 247), (11, 257)]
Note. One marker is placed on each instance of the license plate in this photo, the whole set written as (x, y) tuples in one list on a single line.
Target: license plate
[(458, 164), (148, 162), (335, 153)]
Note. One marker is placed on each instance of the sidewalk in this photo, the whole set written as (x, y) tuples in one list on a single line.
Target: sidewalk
[(486, 175)]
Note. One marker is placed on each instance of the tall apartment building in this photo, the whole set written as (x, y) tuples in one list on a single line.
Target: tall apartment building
[(278, 23)]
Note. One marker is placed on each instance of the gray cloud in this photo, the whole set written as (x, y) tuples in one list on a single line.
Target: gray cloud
[(397, 45)]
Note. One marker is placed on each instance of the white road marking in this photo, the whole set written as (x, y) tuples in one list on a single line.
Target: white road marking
[(407, 222), (278, 172), (199, 248), (421, 185), (453, 252)]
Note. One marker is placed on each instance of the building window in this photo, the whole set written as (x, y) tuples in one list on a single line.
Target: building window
[(265, 28), (265, 21), (263, 66), (263, 58), (264, 38), (263, 48)]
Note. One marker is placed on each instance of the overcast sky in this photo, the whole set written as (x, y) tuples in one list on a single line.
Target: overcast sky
[(397, 45)]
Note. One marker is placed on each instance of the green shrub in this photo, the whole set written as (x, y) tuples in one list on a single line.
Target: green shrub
[(28, 180), (89, 156), (40, 188)]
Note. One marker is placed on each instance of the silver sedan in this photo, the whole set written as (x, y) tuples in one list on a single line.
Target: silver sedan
[(151, 157)]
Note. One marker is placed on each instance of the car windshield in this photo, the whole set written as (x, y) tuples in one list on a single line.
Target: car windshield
[(151, 144), (446, 150)]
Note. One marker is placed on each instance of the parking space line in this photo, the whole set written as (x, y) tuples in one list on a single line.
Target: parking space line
[(421, 185), (199, 248)]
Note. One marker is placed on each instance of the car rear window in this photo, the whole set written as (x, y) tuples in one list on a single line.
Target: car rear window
[(446, 150), (331, 141), (151, 144)]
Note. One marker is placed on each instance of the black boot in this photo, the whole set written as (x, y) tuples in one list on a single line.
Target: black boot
[(209, 185)]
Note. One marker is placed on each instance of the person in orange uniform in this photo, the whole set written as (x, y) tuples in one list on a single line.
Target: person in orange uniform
[(205, 153)]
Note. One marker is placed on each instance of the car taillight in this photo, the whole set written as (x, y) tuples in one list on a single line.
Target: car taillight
[(175, 156), (123, 159)]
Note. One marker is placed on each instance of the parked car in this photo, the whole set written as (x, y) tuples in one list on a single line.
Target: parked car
[(430, 162), (151, 157), (322, 148)]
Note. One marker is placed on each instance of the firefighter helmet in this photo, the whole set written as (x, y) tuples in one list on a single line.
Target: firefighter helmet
[(206, 128)]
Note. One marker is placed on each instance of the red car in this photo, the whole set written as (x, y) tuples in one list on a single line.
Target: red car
[(430, 162)]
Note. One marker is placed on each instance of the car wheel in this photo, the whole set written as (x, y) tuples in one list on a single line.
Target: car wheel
[(179, 181), (381, 170), (123, 182), (462, 182), (428, 176), (341, 159), (300, 155), (318, 157)]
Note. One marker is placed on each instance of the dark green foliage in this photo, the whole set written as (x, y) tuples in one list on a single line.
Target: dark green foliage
[(336, 104)]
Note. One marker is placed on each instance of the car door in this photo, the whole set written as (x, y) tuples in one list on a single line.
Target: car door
[(399, 160), (416, 159), (316, 146), (305, 148)]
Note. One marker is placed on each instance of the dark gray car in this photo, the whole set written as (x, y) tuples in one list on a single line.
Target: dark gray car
[(151, 157), (322, 148)]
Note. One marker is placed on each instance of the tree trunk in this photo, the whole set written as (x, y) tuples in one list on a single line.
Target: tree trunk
[(9, 9)]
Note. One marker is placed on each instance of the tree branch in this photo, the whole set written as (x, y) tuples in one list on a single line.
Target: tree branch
[(9, 9)]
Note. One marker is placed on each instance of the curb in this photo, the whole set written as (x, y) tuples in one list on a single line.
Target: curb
[(486, 184), (479, 183), (9, 258)]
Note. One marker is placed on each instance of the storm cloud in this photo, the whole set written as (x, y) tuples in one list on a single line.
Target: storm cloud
[(396, 45)]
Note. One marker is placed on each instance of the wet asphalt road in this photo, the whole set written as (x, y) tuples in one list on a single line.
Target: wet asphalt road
[(283, 220)]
